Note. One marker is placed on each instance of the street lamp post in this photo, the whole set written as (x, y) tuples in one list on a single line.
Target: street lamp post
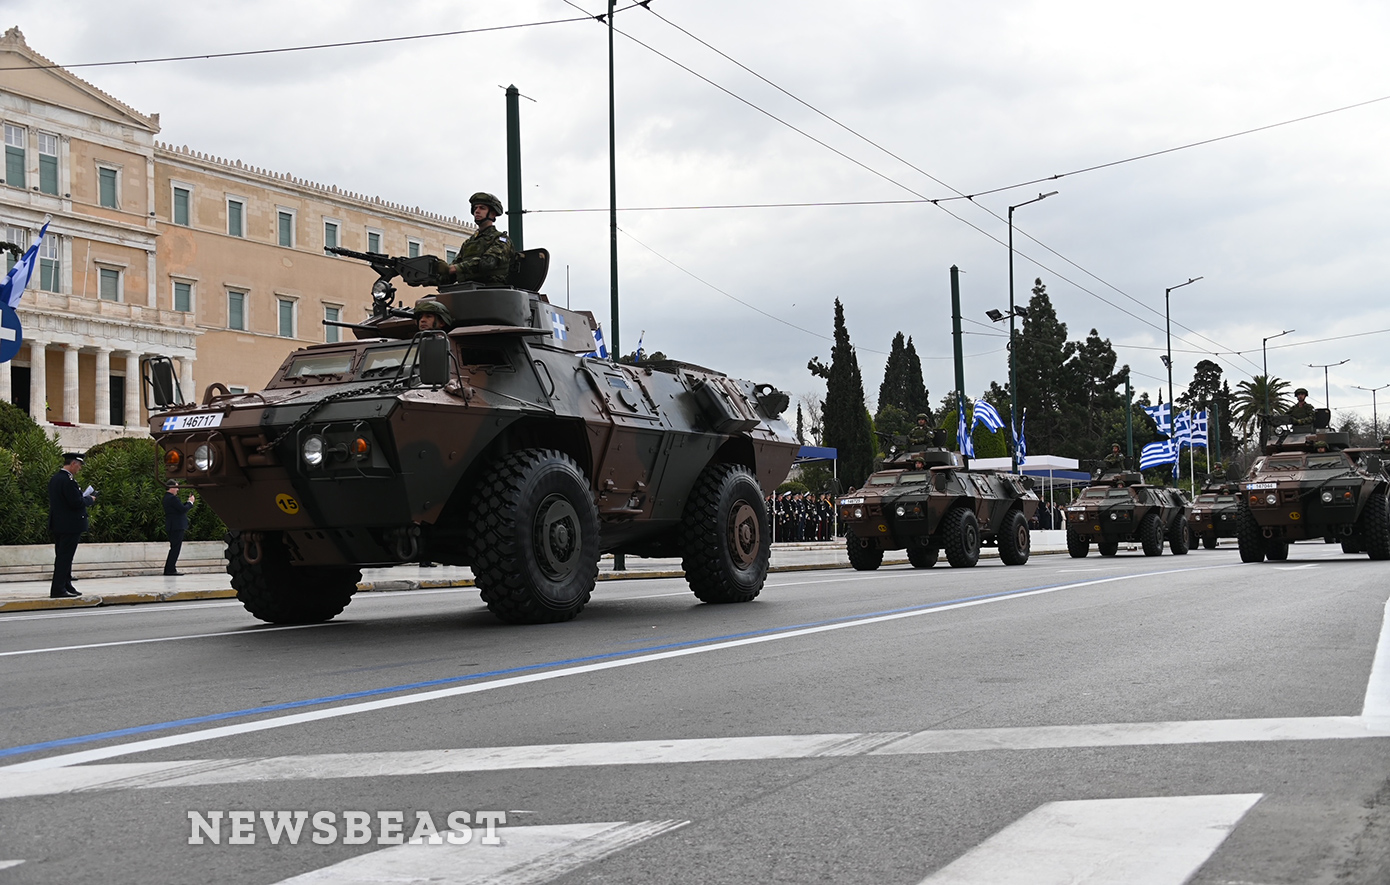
[(1326, 391), (1013, 361), (1168, 331), (1264, 358), (1375, 419)]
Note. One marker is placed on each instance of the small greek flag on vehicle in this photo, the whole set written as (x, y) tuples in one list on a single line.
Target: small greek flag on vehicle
[(600, 349), (557, 326)]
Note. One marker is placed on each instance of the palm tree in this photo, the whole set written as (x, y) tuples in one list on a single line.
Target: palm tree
[(1249, 401)]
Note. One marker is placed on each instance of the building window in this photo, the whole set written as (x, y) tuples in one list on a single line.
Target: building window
[(181, 204), (450, 255), (20, 237), (413, 248), (49, 263), (235, 223), (48, 163), (183, 296), (330, 234), (286, 306), (330, 333), (109, 284), (373, 241), (236, 310), (14, 155), (285, 228), (106, 187)]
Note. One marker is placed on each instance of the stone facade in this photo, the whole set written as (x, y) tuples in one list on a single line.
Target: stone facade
[(162, 251)]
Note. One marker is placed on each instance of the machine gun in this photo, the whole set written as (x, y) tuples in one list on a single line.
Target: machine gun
[(423, 270)]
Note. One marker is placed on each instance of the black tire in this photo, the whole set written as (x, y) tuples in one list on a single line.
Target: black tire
[(1015, 541), (1276, 549), (535, 538), (1248, 536), (1350, 546), (1108, 546), (864, 553), (1373, 528), (1077, 547), (960, 532), (724, 538), (275, 591), (923, 555), (1151, 534), (1179, 541), (1209, 542)]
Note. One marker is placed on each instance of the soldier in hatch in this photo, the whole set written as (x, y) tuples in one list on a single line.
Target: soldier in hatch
[(486, 256), (430, 314), (1385, 444), (1116, 459), (1302, 411), (920, 434)]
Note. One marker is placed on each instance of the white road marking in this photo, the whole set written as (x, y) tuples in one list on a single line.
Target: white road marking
[(1295, 568), (6, 864), (251, 631), (205, 734), (1376, 709), (1145, 841), (527, 855), (37, 781)]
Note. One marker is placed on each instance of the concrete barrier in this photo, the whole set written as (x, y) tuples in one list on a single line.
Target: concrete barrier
[(32, 562)]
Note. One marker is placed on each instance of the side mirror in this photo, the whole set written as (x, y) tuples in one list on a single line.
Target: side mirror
[(161, 388), (434, 360), (1372, 463)]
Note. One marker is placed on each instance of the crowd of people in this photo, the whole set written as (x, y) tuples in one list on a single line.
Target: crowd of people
[(802, 516)]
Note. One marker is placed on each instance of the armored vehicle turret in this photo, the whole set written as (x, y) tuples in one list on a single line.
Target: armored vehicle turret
[(1310, 483), (924, 500), (1119, 507), (501, 442)]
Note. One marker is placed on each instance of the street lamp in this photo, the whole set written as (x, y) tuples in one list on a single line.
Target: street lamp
[(1264, 357), (1013, 312), (1375, 420), (1168, 330), (1326, 394)]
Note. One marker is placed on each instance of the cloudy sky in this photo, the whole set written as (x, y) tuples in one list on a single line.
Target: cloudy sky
[(1288, 227)]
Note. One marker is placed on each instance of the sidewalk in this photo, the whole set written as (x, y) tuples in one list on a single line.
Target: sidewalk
[(32, 595)]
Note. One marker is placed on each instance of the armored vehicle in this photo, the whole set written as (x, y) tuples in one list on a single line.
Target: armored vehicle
[(1120, 508), (502, 443), (1213, 514), (1311, 484), (927, 501)]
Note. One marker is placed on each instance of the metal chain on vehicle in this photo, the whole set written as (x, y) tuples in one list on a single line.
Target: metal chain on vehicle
[(331, 398)]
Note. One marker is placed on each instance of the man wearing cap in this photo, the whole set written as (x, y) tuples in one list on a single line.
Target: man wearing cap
[(486, 256), (176, 524), (1302, 411), (67, 520)]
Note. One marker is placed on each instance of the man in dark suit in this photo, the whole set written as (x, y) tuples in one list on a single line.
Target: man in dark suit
[(175, 523), (67, 520)]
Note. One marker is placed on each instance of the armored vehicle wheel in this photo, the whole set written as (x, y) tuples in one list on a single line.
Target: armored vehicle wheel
[(1151, 535), (1350, 546), (535, 538), (1178, 539), (1248, 539), (923, 555), (275, 591), (1015, 541), (1108, 547), (1077, 547), (1209, 542), (1277, 549), (864, 554), (961, 532), (724, 535), (1373, 528)]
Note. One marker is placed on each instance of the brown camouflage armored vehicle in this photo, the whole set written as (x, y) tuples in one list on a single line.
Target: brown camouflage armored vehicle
[(500, 443), (1120, 508), (926, 501), (1213, 514), (1310, 484)]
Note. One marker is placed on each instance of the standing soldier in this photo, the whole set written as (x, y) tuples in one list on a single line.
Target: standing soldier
[(1385, 444), (920, 434), (67, 520), (1116, 459), (1302, 411), (485, 257)]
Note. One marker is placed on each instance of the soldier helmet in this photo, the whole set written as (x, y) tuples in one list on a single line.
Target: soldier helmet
[(1302, 391), (1384, 437), (921, 416), (1114, 445), (488, 200), (429, 305)]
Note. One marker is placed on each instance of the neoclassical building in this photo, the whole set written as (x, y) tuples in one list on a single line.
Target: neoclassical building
[(161, 251)]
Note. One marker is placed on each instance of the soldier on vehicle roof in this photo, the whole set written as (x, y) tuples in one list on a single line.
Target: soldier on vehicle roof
[(919, 435), (1302, 411), (1385, 444), (1116, 458), (430, 314), (485, 257)]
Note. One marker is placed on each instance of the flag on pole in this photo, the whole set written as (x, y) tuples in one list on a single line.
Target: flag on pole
[(1182, 428), (1021, 439), (963, 439), (18, 277), (1162, 415), (987, 415), (638, 357), (600, 349), (1199, 430), (1156, 454)]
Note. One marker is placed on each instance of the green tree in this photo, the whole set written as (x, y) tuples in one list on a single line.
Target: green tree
[(893, 390), (917, 401), (28, 457), (845, 423), (1041, 352), (1249, 401), (630, 359), (1093, 401), (800, 426), (1209, 389)]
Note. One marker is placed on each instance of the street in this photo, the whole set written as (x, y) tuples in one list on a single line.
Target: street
[(1127, 719)]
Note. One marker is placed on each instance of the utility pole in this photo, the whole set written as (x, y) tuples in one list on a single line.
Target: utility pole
[(619, 560), (1129, 422), (956, 339), (514, 168), (1326, 391)]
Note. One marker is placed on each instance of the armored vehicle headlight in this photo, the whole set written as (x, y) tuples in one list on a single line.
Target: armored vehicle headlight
[(203, 458), (1114, 515), (313, 451), (1327, 497), (902, 511), (1271, 498), (173, 460), (858, 513)]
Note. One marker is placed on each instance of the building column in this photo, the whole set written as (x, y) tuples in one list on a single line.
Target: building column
[(70, 389), (133, 381), (6, 390), (103, 394), (38, 382), (186, 379)]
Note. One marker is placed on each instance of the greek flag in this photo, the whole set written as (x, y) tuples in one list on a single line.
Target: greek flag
[(1199, 430), (987, 415), (1021, 439), (1182, 429), (1156, 454), (1162, 414), (600, 349), (18, 278), (637, 358), (963, 439)]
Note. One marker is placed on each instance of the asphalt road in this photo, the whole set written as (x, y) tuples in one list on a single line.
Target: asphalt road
[(1126, 720)]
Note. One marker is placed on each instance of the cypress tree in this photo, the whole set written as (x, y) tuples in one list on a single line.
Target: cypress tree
[(916, 400), (892, 390), (845, 423)]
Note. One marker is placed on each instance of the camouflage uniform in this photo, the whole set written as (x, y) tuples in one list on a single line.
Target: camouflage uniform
[(1115, 459), (485, 257), (920, 433), (1301, 414)]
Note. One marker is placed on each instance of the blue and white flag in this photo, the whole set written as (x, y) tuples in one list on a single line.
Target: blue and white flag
[(637, 358), (1182, 429), (1021, 439), (964, 441), (1199, 430), (18, 278), (987, 415), (1162, 415), (600, 349), (1156, 454)]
